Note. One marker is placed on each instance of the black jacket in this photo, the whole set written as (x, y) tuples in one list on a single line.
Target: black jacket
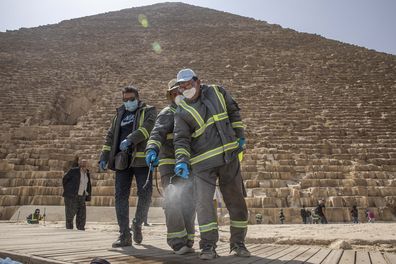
[(71, 183), (206, 130), (145, 119)]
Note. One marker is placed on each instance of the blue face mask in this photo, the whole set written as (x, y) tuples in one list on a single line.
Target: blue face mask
[(131, 105)]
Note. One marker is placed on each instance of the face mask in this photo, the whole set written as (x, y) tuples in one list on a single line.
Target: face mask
[(131, 105), (189, 93), (178, 99)]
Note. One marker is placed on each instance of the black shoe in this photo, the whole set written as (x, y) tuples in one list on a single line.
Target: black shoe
[(137, 232), (124, 240), (208, 252), (147, 224), (239, 249)]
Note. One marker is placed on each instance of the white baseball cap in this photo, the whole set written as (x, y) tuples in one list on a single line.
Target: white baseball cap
[(185, 75)]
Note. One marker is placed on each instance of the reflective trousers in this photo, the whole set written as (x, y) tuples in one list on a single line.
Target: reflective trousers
[(231, 187)]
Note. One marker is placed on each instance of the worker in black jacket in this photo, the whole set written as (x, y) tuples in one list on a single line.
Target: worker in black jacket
[(76, 191), (123, 152), (179, 203)]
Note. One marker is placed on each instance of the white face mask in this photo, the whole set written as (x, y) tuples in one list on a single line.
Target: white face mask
[(189, 93), (178, 99)]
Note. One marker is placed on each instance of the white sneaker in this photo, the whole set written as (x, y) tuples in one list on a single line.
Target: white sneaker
[(184, 250)]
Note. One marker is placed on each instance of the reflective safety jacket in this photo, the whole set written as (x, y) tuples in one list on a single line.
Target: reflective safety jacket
[(144, 122), (161, 140), (207, 129)]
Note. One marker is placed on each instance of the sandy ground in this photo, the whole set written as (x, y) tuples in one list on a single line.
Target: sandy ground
[(377, 236)]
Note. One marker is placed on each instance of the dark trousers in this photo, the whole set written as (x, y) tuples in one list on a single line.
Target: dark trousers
[(323, 219), (179, 206), (123, 181), (75, 206), (232, 190)]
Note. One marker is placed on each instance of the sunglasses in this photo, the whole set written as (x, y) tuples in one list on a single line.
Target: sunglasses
[(128, 99)]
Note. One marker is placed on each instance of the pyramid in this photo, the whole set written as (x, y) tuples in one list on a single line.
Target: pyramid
[(320, 114)]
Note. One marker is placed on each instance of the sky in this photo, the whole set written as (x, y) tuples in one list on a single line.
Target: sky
[(366, 23)]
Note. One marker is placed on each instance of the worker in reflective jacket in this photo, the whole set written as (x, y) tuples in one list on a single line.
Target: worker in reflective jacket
[(179, 203), (208, 136)]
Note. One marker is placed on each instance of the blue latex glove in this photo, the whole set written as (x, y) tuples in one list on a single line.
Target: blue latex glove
[(152, 158), (241, 142), (181, 170), (125, 144), (102, 165)]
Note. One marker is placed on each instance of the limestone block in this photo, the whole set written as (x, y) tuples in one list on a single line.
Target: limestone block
[(336, 201), (47, 199), (387, 191), (283, 192), (359, 191), (252, 183), (103, 191), (254, 202), (377, 202), (262, 192)]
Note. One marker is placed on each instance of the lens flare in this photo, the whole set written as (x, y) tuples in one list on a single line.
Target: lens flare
[(143, 20), (156, 47)]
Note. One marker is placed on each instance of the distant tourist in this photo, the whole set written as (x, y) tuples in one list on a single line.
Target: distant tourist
[(76, 191), (370, 216), (281, 216), (259, 219), (355, 215), (35, 218), (315, 217), (303, 214), (308, 216), (320, 211)]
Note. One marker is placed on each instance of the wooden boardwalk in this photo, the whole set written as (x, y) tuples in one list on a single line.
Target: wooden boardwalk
[(44, 245)]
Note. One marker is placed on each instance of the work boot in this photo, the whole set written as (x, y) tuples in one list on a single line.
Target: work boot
[(184, 250), (124, 240), (137, 232), (239, 249), (208, 252)]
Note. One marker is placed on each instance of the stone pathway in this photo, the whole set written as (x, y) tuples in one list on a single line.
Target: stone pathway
[(44, 245)]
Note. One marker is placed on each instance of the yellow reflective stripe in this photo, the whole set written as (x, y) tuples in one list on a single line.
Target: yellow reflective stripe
[(220, 116), (142, 117), (208, 227), (154, 142), (173, 110), (169, 136), (144, 132), (190, 236), (140, 155), (106, 148), (211, 120), (192, 112), (221, 97), (239, 224), (177, 234), (167, 162), (182, 151), (237, 124), (214, 152)]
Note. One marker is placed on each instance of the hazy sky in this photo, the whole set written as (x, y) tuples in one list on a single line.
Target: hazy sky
[(367, 23)]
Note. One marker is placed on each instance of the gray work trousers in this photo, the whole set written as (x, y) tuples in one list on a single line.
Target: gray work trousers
[(179, 209), (231, 187)]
